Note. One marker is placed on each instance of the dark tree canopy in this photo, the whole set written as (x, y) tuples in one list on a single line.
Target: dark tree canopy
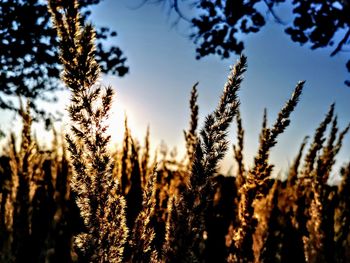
[(219, 24), (29, 54), (217, 27), (321, 23)]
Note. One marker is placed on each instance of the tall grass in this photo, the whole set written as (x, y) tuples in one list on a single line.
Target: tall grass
[(79, 202), (101, 206)]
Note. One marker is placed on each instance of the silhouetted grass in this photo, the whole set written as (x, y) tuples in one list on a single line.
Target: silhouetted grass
[(88, 204)]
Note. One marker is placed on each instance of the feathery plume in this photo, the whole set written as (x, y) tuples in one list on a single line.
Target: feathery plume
[(210, 149), (143, 247), (238, 151), (256, 181), (191, 135), (101, 207)]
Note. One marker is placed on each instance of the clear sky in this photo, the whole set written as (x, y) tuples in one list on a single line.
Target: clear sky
[(163, 69)]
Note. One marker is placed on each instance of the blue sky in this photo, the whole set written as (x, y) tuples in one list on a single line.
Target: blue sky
[(163, 69)]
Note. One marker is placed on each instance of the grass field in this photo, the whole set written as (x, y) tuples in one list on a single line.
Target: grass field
[(79, 201)]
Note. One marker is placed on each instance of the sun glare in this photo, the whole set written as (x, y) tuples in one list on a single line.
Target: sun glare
[(116, 123)]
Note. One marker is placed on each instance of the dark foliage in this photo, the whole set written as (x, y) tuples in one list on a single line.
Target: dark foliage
[(218, 25), (29, 54)]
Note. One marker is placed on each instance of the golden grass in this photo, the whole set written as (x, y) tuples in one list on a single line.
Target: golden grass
[(91, 205)]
